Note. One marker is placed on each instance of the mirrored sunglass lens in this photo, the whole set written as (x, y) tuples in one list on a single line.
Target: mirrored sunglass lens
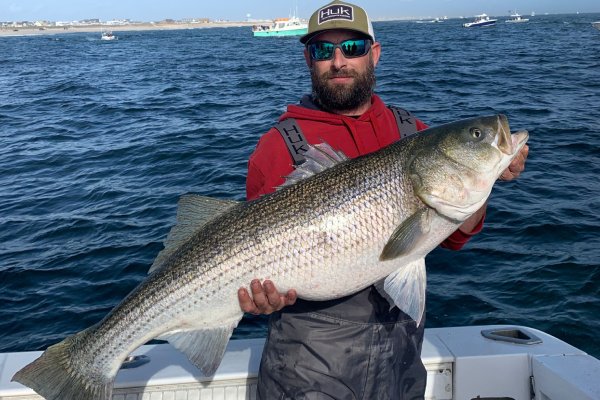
[(350, 48), (322, 50), (353, 48)]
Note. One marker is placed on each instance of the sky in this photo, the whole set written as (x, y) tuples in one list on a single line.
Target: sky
[(240, 10)]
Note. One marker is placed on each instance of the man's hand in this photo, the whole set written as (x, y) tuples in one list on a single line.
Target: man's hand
[(265, 298), (516, 166)]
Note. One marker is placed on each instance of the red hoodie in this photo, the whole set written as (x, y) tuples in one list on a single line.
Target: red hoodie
[(271, 161)]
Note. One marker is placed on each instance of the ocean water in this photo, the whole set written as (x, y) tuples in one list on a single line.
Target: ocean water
[(99, 140)]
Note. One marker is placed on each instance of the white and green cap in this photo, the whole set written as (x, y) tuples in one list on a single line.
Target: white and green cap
[(339, 15)]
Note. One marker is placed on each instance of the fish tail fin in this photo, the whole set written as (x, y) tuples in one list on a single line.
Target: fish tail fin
[(54, 376)]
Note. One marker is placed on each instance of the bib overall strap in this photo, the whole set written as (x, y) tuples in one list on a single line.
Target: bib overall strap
[(294, 139), (406, 122)]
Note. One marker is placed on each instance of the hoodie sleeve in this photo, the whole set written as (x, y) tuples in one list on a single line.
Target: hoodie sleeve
[(268, 165), (255, 181), (458, 239)]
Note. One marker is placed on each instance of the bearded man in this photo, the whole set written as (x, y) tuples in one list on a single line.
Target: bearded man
[(359, 346)]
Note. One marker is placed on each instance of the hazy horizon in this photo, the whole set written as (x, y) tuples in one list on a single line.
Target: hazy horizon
[(240, 10)]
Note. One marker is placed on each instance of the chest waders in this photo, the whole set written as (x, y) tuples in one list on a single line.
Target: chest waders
[(297, 145)]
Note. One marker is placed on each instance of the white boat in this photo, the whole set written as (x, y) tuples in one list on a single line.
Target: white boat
[(435, 20), (107, 35), (596, 25), (477, 362), (292, 26), (516, 18), (480, 20)]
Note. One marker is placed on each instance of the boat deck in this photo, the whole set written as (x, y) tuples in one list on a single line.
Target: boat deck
[(460, 363)]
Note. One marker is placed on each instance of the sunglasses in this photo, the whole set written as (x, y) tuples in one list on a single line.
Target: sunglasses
[(351, 48)]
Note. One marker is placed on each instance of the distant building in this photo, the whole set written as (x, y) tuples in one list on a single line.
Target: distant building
[(118, 22), (195, 20)]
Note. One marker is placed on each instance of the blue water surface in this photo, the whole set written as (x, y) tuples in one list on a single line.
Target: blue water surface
[(99, 140)]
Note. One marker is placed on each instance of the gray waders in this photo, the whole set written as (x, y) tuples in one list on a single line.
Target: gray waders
[(349, 348), (355, 347)]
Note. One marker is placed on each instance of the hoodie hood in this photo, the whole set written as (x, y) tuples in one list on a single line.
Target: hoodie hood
[(308, 110)]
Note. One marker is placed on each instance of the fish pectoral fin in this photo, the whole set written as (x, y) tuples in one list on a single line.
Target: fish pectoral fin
[(407, 288), (408, 235), (318, 158), (204, 348), (193, 212)]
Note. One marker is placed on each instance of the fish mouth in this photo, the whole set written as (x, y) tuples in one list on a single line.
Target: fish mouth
[(507, 143)]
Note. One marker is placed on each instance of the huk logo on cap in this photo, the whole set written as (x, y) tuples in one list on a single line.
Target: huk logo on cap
[(334, 12)]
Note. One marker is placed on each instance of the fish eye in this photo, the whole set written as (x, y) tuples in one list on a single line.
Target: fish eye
[(476, 133)]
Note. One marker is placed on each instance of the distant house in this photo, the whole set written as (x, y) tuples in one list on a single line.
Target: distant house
[(195, 20), (41, 24), (118, 22)]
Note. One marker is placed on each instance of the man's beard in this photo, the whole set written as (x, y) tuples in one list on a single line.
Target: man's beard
[(342, 98)]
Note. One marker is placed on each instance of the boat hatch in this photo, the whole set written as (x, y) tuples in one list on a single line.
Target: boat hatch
[(511, 335)]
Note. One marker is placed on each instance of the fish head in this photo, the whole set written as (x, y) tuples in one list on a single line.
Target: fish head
[(457, 164)]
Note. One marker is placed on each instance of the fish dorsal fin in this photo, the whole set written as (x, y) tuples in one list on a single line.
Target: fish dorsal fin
[(193, 211), (406, 287), (204, 347), (318, 158), (408, 235)]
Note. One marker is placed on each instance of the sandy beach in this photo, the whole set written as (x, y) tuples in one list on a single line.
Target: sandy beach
[(146, 26)]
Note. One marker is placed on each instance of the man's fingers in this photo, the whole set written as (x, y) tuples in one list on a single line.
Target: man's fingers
[(259, 296), (273, 296), (291, 297), (265, 298), (246, 302), (516, 166)]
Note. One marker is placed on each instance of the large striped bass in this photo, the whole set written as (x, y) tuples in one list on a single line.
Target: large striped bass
[(337, 226)]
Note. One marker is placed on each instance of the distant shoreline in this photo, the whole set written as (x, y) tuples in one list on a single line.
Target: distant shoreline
[(147, 26)]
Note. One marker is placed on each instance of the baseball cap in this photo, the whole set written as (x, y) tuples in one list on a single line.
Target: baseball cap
[(339, 15)]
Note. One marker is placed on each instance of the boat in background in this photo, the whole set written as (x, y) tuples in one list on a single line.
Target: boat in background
[(292, 26), (516, 18), (480, 20), (487, 362), (596, 25), (435, 20), (107, 35)]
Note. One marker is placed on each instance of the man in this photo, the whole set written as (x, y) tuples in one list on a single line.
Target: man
[(356, 347)]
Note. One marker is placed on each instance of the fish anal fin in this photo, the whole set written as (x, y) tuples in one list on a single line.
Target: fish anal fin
[(203, 347), (193, 211), (406, 287), (408, 235)]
